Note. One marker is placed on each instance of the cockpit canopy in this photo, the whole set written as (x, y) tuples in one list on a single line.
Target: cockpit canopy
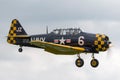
[(68, 31)]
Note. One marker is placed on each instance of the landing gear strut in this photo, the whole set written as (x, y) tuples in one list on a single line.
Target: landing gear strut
[(79, 62), (20, 49), (94, 62)]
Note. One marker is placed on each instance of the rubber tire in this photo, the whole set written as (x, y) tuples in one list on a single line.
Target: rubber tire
[(20, 49), (94, 63), (79, 62)]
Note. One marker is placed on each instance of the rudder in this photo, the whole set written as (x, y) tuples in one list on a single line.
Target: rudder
[(15, 30)]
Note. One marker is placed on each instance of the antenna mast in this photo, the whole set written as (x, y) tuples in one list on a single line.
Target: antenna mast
[(46, 29)]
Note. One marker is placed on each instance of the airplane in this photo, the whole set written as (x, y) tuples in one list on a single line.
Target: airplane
[(68, 41)]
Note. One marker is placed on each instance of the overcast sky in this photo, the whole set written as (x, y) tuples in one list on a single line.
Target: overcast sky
[(94, 16)]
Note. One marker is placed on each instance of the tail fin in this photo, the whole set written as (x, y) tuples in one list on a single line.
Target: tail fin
[(15, 30)]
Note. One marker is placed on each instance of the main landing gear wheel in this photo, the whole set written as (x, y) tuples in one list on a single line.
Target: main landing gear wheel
[(94, 63), (20, 49), (79, 62)]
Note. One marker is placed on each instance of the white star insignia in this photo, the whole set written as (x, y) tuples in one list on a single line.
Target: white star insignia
[(62, 41)]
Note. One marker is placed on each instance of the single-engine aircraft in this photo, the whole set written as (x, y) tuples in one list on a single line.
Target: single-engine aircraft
[(68, 41)]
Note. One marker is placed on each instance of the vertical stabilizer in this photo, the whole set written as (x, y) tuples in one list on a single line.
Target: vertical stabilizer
[(15, 30)]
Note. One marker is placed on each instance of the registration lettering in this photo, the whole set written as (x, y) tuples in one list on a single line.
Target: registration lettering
[(38, 39)]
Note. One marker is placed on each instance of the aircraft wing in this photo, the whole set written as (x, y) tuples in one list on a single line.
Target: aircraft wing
[(58, 48)]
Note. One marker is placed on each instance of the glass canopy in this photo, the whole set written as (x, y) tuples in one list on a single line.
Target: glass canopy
[(68, 31)]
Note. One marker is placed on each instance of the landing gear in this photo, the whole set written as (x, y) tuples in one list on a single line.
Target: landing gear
[(94, 62), (20, 49), (79, 62)]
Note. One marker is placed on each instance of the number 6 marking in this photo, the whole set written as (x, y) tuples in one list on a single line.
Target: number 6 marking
[(81, 40)]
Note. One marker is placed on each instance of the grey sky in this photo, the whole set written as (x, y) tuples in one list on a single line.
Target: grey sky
[(55, 10), (95, 16)]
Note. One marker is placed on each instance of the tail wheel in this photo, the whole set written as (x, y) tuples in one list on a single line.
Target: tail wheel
[(20, 49), (94, 63), (79, 62)]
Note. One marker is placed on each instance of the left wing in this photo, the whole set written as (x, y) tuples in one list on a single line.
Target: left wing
[(58, 48)]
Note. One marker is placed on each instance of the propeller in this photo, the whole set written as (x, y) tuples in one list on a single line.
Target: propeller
[(109, 51)]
